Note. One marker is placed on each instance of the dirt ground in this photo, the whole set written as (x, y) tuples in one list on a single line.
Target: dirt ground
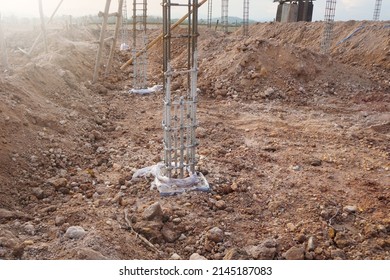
[(294, 144)]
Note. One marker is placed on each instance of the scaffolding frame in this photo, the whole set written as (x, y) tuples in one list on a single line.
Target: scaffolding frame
[(225, 15), (330, 11), (140, 41), (377, 10), (179, 116), (245, 18)]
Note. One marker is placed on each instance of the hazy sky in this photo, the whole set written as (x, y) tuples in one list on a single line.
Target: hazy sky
[(260, 10)]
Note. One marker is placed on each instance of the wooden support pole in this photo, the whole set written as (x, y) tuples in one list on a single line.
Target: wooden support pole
[(101, 42), (158, 38), (113, 46), (43, 27), (40, 34), (3, 47)]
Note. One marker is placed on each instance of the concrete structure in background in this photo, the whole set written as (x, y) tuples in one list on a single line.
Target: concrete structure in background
[(293, 11)]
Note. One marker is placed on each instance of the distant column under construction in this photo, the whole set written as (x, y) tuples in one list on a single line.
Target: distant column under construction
[(209, 13), (330, 11), (377, 10), (140, 41), (124, 34), (224, 15), (245, 18)]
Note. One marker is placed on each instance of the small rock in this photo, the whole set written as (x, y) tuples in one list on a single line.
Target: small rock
[(310, 244), (6, 214), (59, 183), (100, 150), (220, 204), (301, 238), (337, 254), (370, 231), (75, 232), (290, 226), (176, 221), (215, 234), (169, 234), (296, 168), (154, 211), (175, 257), (59, 220), (29, 229), (265, 251), (196, 256), (236, 254), (316, 162), (295, 253), (268, 92), (350, 208), (89, 254), (116, 167), (38, 193), (343, 240)]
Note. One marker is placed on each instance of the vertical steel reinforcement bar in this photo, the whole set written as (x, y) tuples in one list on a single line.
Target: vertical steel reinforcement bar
[(179, 117)]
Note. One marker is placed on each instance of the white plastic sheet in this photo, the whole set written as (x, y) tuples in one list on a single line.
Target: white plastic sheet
[(143, 91), (171, 186)]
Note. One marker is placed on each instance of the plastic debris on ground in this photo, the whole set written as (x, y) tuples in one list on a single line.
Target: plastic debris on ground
[(171, 186), (146, 90), (124, 47)]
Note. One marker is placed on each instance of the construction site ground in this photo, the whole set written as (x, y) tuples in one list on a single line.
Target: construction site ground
[(294, 144)]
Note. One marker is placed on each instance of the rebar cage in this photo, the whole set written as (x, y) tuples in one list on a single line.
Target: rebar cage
[(245, 18), (225, 15), (140, 40), (180, 105), (377, 10), (330, 10)]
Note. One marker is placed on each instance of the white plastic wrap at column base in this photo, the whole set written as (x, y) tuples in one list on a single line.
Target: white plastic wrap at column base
[(124, 47), (171, 186), (146, 90)]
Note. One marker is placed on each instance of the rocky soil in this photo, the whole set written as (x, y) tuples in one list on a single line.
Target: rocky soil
[(294, 144)]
